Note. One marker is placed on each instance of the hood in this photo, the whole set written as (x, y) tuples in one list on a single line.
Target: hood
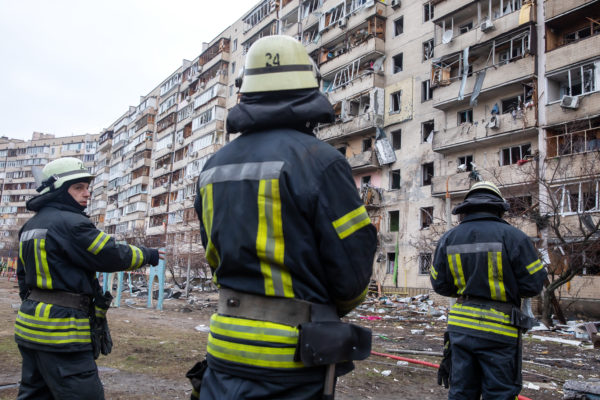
[(60, 197), (481, 202), (297, 109)]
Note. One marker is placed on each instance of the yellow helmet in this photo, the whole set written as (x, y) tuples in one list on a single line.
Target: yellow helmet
[(485, 186), (278, 62), (62, 170)]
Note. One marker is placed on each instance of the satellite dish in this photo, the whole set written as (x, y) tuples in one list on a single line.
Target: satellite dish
[(447, 37)]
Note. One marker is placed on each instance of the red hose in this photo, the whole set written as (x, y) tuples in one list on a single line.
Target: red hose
[(427, 364)]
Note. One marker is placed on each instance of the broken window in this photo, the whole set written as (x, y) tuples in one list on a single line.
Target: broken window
[(395, 101), (310, 35), (511, 155), (259, 13), (574, 82), (511, 104), (395, 179), (576, 141), (426, 91), (518, 205), (333, 16), (465, 27), (397, 139), (579, 197), (427, 129), (428, 49), (394, 221), (425, 261), (397, 63), (342, 149), (426, 217), (512, 48), (366, 144), (464, 163), (399, 26), (426, 174), (308, 6), (365, 180), (427, 11), (465, 117), (391, 258)]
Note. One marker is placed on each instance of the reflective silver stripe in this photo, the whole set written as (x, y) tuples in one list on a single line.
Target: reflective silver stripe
[(99, 242), (239, 172), (33, 234), (42, 309), (474, 248)]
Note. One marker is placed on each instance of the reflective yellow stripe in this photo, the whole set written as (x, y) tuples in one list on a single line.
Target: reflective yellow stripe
[(137, 258), (43, 278), (496, 276), (534, 267), (21, 254), (351, 222), (347, 305), (95, 242), (456, 269), (44, 261), (98, 243), (260, 331), (270, 357), (433, 272), (40, 328), (212, 256), (270, 244), (485, 326), (489, 314), (52, 337), (43, 321)]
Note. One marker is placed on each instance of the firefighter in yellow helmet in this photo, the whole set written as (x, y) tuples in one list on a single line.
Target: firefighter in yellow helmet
[(489, 266), (288, 239), (61, 326)]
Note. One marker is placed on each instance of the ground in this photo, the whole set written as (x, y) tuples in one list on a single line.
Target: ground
[(154, 349)]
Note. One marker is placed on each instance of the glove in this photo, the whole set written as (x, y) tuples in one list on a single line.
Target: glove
[(101, 340), (195, 376), (445, 368)]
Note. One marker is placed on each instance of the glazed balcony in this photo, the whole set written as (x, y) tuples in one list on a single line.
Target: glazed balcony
[(470, 136), (356, 125)]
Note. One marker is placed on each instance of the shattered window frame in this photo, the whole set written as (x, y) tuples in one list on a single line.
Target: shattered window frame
[(426, 217), (394, 221), (395, 102), (464, 117), (427, 173), (391, 260), (511, 155), (426, 91), (425, 261), (428, 48), (399, 26), (427, 127), (395, 179), (466, 160), (397, 139), (398, 63), (428, 11)]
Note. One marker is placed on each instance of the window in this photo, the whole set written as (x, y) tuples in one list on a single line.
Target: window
[(425, 261), (465, 117), (391, 257), (397, 62), (511, 155), (342, 149), (466, 161), (395, 101), (394, 221), (579, 197), (426, 217), (232, 67), (466, 27), (366, 144), (231, 90), (427, 11), (399, 26), (426, 91), (427, 128), (426, 173), (234, 45), (365, 180), (574, 82), (510, 105), (395, 179), (518, 205), (428, 49), (397, 139)]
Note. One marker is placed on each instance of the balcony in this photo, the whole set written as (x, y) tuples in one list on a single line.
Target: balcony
[(360, 83), (356, 125), (573, 166), (519, 71), (143, 180), (157, 210), (371, 48), (589, 105), (364, 162), (554, 8), (458, 183), (473, 136), (155, 230), (573, 53)]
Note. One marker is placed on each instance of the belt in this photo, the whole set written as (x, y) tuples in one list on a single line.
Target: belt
[(498, 305), (61, 298), (286, 311)]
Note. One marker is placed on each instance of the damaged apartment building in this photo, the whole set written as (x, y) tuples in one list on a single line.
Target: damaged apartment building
[(429, 96)]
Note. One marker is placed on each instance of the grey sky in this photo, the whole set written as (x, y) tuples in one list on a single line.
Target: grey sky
[(74, 66)]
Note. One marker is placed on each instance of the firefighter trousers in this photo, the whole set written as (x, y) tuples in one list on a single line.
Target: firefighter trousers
[(47, 375), (220, 386), (483, 368)]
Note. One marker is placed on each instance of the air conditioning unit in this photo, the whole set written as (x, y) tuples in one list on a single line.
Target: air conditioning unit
[(396, 3), (487, 25), (342, 23), (169, 145), (571, 102), (494, 122)]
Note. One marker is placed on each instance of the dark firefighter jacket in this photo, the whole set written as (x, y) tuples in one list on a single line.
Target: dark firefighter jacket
[(486, 258), (280, 216), (61, 249)]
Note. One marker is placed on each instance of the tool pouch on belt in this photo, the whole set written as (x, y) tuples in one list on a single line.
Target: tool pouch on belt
[(195, 376), (100, 334), (332, 342), (521, 320)]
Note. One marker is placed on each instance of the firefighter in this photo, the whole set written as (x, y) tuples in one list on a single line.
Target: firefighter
[(287, 236), (488, 266), (60, 251)]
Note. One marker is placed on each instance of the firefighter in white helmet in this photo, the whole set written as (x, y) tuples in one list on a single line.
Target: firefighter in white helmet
[(488, 265), (61, 326), (287, 236)]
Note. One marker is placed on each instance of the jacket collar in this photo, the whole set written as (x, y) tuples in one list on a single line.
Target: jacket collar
[(482, 216)]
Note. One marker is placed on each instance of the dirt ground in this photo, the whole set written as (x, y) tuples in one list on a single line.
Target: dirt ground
[(153, 350)]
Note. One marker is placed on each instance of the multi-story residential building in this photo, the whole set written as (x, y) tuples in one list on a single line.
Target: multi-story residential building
[(18, 159)]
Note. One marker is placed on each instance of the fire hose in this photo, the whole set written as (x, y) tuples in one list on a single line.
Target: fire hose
[(425, 363)]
